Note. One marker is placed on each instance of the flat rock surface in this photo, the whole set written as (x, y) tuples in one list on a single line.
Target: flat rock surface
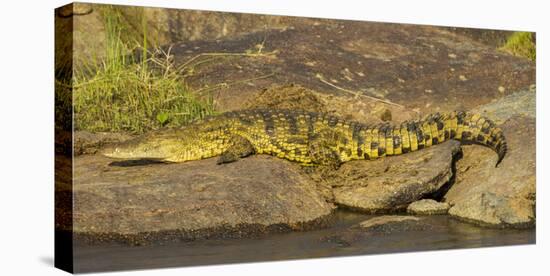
[(428, 207), (392, 183), (192, 200), (502, 196), (422, 68)]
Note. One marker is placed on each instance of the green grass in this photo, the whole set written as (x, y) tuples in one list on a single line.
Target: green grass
[(122, 93), (521, 44)]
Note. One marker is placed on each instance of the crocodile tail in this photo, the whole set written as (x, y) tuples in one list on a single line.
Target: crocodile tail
[(437, 128), (474, 128)]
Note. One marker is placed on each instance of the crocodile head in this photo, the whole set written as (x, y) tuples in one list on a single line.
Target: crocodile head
[(145, 147), (176, 145)]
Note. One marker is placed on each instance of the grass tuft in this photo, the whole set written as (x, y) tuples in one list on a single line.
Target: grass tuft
[(122, 92), (521, 44)]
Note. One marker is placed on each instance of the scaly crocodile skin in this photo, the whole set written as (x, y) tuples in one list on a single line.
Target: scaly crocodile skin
[(307, 137)]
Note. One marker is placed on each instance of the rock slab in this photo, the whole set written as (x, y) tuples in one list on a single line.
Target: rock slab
[(392, 223), (139, 203)]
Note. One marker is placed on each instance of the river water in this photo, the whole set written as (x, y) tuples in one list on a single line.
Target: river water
[(341, 239)]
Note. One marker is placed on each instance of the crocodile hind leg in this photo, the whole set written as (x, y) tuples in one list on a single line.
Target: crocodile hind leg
[(240, 148), (321, 149)]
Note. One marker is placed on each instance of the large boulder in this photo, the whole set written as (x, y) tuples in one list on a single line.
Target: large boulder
[(138, 202), (392, 183), (417, 68), (502, 196)]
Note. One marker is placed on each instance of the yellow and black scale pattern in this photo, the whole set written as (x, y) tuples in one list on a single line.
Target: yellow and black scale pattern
[(315, 138)]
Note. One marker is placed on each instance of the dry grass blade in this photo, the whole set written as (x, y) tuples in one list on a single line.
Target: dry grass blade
[(357, 94)]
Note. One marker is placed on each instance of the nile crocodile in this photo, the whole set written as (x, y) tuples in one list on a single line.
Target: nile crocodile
[(306, 137)]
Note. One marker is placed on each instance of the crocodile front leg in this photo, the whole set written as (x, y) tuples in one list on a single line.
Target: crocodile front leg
[(240, 148)]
